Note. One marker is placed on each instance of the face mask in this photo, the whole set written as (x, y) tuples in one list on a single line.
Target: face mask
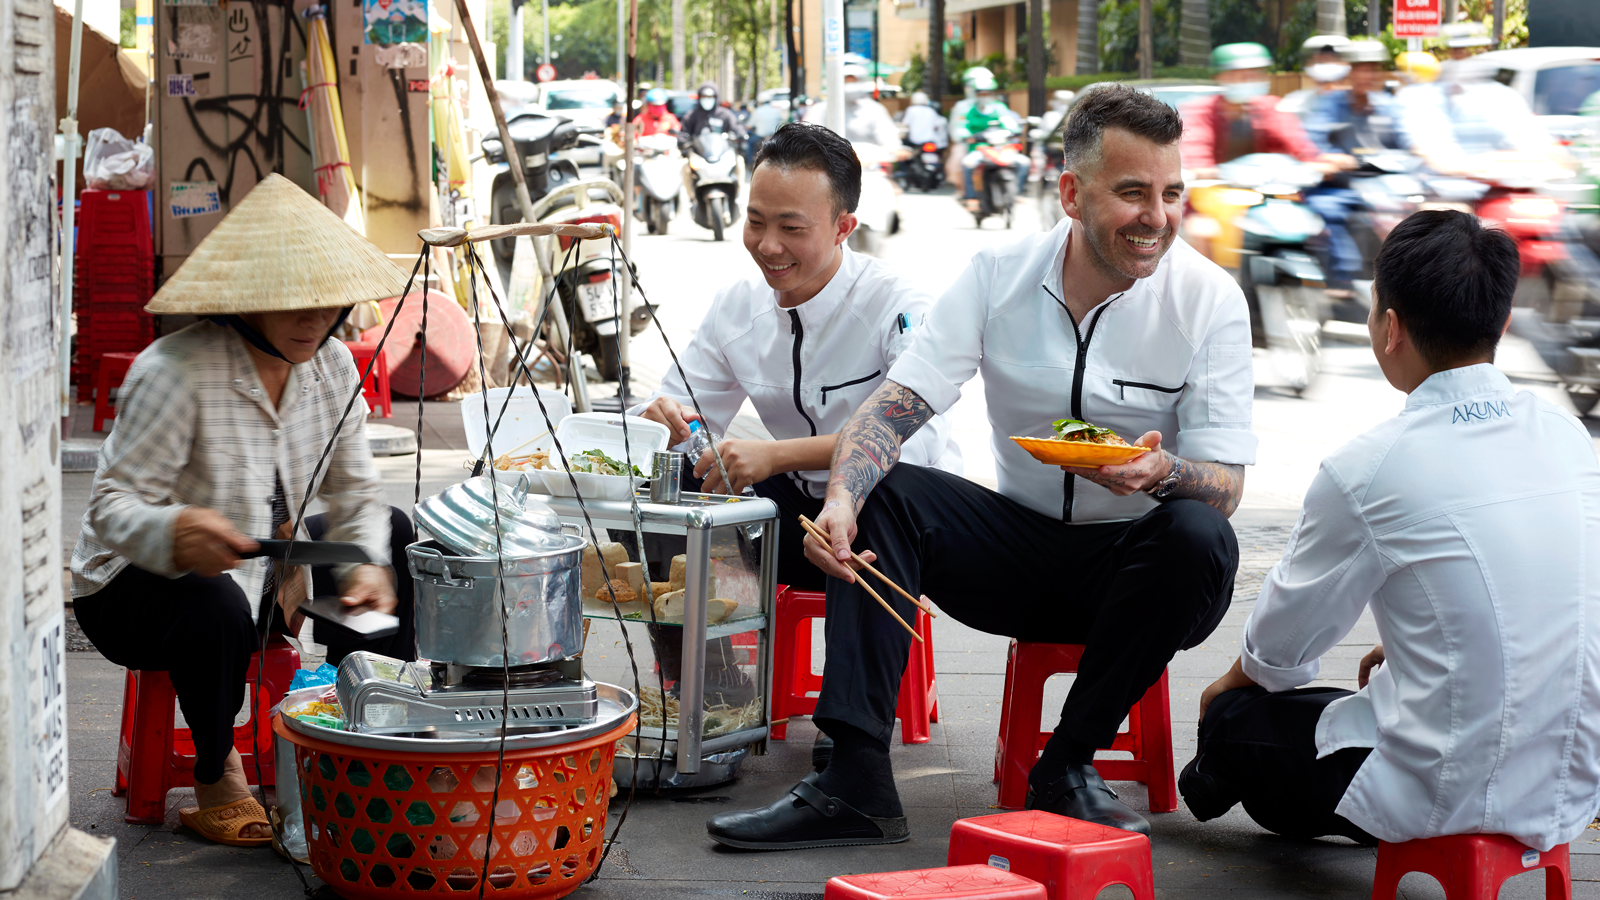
[(707, 103), (855, 90), (1244, 91), (1327, 73)]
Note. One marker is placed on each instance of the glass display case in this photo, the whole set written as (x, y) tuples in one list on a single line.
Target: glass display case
[(707, 633)]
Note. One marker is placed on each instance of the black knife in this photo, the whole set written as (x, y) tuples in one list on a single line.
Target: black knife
[(311, 553), (366, 624)]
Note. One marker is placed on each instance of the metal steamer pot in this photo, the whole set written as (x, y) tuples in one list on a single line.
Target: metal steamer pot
[(459, 576), (457, 600)]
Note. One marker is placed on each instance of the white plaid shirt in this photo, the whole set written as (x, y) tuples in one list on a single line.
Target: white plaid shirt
[(195, 427)]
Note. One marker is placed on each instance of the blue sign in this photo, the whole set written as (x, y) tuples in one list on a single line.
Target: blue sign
[(859, 40)]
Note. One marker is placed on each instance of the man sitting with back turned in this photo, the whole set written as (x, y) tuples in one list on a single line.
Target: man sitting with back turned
[(1107, 318), (1470, 525)]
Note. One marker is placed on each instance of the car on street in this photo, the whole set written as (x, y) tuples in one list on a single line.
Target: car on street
[(1554, 80)]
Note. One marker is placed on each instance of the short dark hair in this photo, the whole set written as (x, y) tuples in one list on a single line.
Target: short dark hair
[(805, 145), (1114, 105), (1450, 280)]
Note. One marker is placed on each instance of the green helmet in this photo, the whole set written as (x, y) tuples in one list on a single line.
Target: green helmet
[(980, 79), (1228, 57)]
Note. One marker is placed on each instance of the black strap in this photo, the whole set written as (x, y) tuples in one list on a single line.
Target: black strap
[(255, 338), (817, 800)]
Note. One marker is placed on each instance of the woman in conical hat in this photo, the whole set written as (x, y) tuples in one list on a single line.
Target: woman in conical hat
[(219, 430)]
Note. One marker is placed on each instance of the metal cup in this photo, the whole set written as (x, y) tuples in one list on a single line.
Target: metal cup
[(666, 481)]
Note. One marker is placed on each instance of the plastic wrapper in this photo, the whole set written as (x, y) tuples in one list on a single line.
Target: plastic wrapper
[(111, 162)]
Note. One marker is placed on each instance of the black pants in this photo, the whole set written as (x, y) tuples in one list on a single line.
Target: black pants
[(1260, 747), (198, 630), (1133, 592)]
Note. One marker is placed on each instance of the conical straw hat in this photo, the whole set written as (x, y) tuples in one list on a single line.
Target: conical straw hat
[(277, 250)]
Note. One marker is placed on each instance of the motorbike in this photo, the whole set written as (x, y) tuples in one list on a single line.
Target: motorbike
[(658, 179), (992, 160), (924, 170), (877, 215), (713, 173), (538, 137), (1389, 186), (1253, 222)]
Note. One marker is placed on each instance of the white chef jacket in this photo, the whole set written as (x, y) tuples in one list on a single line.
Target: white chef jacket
[(1470, 524), (806, 369), (1170, 354)]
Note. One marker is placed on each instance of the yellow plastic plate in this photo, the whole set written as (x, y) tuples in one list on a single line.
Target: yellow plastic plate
[(1073, 453)]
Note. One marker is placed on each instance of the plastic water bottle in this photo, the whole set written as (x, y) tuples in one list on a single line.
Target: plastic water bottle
[(700, 438)]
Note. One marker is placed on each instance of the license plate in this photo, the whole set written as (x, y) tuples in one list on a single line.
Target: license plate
[(596, 300), (930, 158)]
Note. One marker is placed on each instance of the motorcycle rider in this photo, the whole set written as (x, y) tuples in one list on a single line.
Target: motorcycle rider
[(987, 111), (656, 118), (1324, 66), (1243, 119), (1465, 39), (865, 119), (1361, 116), (708, 109), (924, 124), (1466, 114)]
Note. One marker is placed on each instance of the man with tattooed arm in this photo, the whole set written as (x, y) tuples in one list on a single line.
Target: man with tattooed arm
[(1108, 318)]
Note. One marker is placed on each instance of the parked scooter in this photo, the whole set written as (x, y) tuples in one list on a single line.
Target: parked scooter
[(877, 213), (712, 174), (658, 179), (537, 136), (1250, 221), (992, 159)]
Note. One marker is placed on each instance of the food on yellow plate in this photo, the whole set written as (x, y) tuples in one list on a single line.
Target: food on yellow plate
[(1078, 443), (1077, 431)]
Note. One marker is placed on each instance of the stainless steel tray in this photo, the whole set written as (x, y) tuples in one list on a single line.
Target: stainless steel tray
[(616, 704)]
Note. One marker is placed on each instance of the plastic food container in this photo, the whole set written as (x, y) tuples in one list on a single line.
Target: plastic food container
[(603, 432), (522, 423)]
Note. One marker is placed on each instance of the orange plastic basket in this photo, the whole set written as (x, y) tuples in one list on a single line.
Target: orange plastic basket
[(381, 823)]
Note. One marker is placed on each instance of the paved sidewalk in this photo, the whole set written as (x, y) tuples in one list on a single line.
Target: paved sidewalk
[(664, 852)]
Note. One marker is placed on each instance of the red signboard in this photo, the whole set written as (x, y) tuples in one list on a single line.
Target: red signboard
[(547, 72), (1416, 18)]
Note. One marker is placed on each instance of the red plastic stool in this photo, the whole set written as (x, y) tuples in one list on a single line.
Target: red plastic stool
[(1073, 859), (966, 882), (109, 370), (154, 756), (375, 389), (792, 678), (1470, 866), (1148, 738)]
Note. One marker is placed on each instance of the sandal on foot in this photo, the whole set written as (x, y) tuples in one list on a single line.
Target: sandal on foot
[(805, 817), (222, 824)]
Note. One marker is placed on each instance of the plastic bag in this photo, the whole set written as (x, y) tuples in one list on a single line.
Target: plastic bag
[(111, 162)]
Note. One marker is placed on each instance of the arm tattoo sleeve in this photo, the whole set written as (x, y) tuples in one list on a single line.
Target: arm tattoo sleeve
[(869, 444), (1218, 484)]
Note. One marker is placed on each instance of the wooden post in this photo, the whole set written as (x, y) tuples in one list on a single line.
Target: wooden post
[(1147, 60), (1036, 61)]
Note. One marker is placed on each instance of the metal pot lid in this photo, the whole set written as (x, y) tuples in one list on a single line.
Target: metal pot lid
[(462, 518)]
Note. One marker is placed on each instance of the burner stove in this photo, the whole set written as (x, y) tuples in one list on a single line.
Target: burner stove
[(381, 695)]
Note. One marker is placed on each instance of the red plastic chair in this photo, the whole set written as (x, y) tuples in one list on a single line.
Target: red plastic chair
[(109, 370), (1471, 866), (154, 756), (375, 389), (1074, 860), (965, 882), (793, 680), (1148, 738)]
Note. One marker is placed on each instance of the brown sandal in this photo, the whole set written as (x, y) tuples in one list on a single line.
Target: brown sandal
[(222, 824)]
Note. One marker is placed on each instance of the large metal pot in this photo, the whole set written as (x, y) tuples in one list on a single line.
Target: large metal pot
[(458, 597)]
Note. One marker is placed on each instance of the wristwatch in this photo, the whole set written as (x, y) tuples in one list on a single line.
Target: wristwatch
[(1163, 489)]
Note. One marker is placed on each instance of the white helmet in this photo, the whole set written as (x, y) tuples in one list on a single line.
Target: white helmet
[(918, 98)]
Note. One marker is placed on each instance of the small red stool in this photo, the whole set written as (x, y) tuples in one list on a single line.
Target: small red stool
[(109, 370), (792, 678), (154, 756), (375, 388), (1148, 738), (1074, 860), (966, 882), (1471, 866)]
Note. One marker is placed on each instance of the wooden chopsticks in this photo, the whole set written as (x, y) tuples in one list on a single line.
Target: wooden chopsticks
[(811, 529)]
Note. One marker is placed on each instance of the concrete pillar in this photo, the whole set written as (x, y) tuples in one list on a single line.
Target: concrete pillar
[(989, 32), (1088, 61), (39, 854), (1010, 26), (1064, 36)]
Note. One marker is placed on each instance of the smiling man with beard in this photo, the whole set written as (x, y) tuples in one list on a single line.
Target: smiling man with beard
[(1106, 318)]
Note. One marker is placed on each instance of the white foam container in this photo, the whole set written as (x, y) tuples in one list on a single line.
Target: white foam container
[(603, 432), (522, 419)]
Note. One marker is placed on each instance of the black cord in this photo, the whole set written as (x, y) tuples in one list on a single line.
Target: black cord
[(422, 383)]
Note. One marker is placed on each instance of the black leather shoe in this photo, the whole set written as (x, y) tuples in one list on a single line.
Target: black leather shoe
[(804, 817), (1082, 794), (821, 752), (1205, 795)]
